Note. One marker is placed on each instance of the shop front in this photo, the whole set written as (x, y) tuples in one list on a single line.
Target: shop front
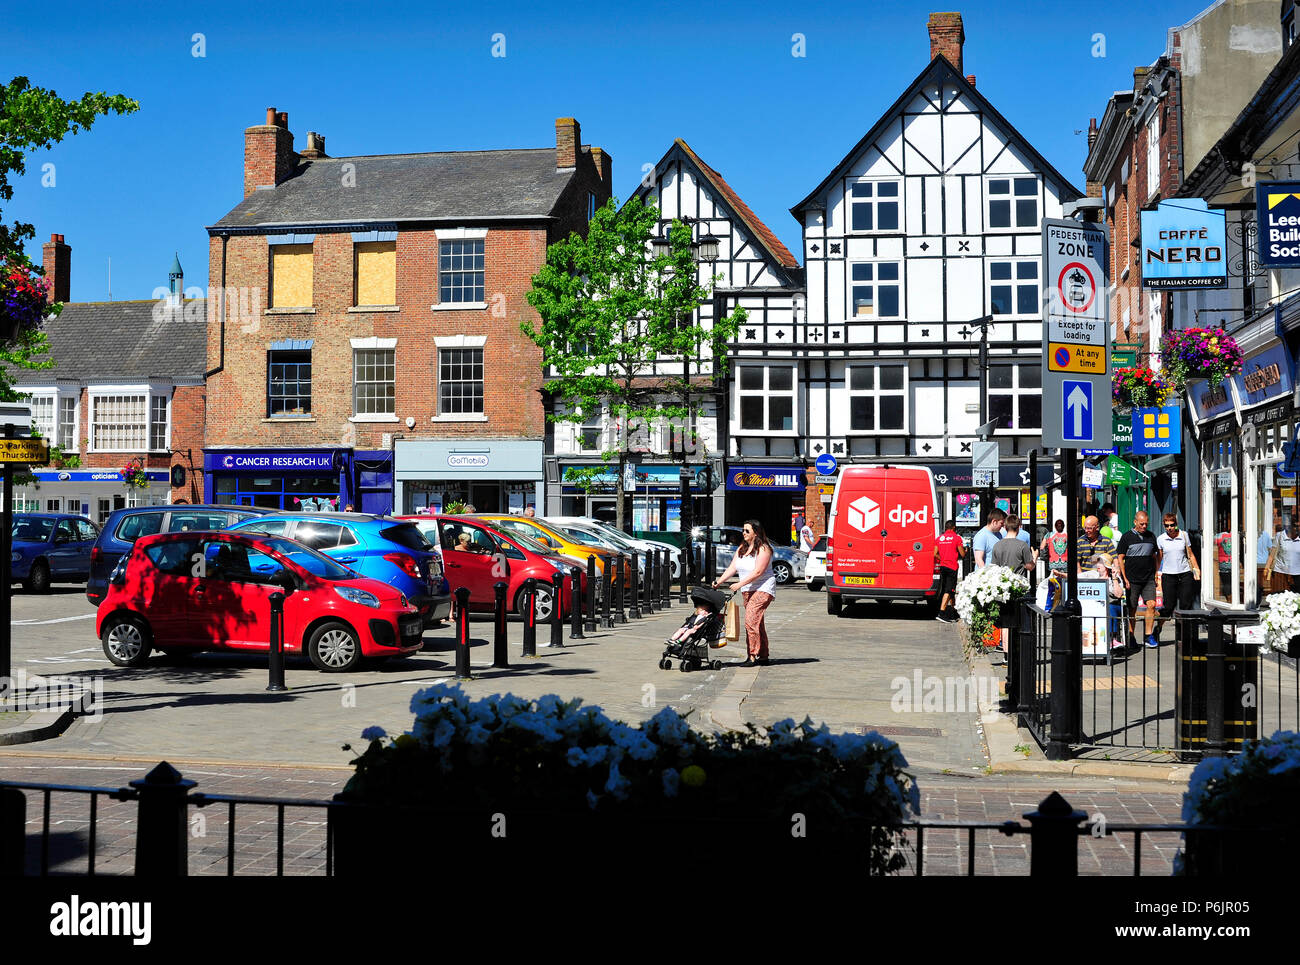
[(494, 475), (960, 500), (773, 495), (299, 479), (93, 493), (652, 496)]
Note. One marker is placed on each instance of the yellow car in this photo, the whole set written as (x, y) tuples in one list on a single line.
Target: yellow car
[(553, 538)]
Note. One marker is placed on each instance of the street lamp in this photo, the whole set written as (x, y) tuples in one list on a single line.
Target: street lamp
[(986, 430)]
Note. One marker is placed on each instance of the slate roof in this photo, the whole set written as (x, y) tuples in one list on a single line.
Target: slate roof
[(124, 341), (445, 186)]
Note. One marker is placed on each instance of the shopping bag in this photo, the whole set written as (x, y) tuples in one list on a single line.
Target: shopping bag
[(734, 618)]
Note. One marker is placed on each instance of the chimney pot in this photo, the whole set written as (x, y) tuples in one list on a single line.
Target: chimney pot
[(282, 119), (970, 79), (947, 37), (270, 117)]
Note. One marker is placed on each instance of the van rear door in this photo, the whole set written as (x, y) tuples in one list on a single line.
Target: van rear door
[(859, 548), (908, 530)]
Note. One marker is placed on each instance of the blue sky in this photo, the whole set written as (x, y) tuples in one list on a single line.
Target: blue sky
[(379, 78)]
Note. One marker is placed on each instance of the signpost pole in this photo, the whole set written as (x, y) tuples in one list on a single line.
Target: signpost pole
[(1033, 515), (6, 543)]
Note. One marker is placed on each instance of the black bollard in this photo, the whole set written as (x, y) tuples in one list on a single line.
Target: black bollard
[(665, 580), (634, 589), (275, 667), (575, 605), (683, 576), (589, 618), (709, 565), (500, 655), (607, 592), (557, 620), (529, 603), (620, 615), (462, 633), (648, 604)]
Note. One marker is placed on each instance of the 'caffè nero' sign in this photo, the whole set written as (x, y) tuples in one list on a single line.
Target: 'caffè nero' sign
[(1184, 245), (766, 478)]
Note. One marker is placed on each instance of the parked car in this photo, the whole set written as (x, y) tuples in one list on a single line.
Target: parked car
[(584, 526), (558, 541), (50, 548), (814, 571), (489, 555), (191, 591), (788, 563), (124, 526), (382, 548)]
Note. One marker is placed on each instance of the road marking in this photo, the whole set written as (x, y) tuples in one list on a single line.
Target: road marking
[(34, 623)]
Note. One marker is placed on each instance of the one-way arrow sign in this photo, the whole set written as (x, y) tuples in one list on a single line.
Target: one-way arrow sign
[(1079, 404)]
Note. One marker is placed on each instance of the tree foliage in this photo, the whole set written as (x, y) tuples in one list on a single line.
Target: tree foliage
[(620, 327)]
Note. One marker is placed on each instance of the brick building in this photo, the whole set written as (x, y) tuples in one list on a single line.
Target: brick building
[(126, 388), (364, 342)]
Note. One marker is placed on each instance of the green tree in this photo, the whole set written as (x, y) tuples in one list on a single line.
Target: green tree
[(620, 329), (35, 119)]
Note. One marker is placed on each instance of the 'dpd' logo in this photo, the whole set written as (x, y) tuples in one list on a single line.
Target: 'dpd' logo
[(864, 514)]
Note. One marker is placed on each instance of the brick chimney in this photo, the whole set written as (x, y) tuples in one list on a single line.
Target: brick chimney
[(568, 139), (315, 147), (604, 168), (268, 152), (56, 259), (946, 37)]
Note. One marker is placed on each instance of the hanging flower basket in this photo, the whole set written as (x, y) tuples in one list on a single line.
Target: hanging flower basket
[(22, 300), (1139, 388), (1200, 353), (134, 476)]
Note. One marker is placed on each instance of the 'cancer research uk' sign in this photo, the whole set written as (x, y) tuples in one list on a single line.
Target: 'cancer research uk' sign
[(1184, 245), (1076, 336), (1277, 208)]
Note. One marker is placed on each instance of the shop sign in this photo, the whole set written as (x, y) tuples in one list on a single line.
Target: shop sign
[(1158, 431), (274, 461), (1124, 355), (467, 460), (1118, 472), (1209, 402), (1093, 478), (1265, 376), (765, 478), (94, 475), (1121, 432), (1277, 213), (1184, 245)]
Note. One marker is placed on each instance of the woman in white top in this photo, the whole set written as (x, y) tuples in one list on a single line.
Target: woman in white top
[(752, 564)]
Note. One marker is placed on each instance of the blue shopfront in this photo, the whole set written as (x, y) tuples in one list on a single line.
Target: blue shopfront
[(301, 479)]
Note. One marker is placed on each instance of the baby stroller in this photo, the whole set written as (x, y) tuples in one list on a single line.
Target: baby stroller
[(692, 650)]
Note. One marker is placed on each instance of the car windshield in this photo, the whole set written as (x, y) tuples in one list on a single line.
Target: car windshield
[(586, 536), (524, 540), (614, 536), (318, 564), (34, 529)]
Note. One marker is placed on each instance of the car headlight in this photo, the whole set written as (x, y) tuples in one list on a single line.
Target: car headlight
[(356, 595), (16, 557)]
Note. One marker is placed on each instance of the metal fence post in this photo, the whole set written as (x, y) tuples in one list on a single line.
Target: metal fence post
[(462, 633), (161, 823), (634, 589), (589, 618), (606, 597), (1063, 699), (575, 605), (665, 580), (1054, 838), (1024, 663), (557, 626), (648, 604), (13, 831), (620, 578), (530, 617), (500, 652), (1215, 654), (275, 661), (683, 577)]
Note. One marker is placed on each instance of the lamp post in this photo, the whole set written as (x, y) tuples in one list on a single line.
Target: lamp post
[(986, 428)]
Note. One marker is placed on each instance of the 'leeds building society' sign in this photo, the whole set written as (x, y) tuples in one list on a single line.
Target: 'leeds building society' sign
[(1277, 207)]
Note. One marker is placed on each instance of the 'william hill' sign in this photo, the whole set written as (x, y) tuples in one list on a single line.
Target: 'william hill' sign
[(766, 478), (1184, 245), (1277, 206)]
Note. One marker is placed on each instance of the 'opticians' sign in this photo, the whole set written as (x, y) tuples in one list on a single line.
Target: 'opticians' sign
[(1184, 246), (1277, 208)]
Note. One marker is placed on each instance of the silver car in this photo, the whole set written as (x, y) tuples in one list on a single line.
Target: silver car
[(788, 563)]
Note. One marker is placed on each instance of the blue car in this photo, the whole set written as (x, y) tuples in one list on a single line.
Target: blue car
[(124, 526), (51, 548), (391, 550)]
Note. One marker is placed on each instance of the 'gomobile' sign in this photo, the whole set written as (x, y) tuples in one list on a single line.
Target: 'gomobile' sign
[(1277, 206), (1184, 245)]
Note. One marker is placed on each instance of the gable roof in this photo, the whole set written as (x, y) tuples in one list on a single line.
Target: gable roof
[(938, 69), (125, 342), (732, 201), (455, 186)]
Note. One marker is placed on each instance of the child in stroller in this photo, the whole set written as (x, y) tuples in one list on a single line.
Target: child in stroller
[(702, 630)]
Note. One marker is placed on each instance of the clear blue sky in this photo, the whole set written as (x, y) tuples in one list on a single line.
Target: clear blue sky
[(378, 78)]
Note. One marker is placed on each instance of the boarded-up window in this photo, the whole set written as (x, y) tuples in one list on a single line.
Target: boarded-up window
[(375, 266), (291, 276)]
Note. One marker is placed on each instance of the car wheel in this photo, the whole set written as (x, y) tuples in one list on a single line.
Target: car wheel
[(784, 574), (834, 605), (38, 580), (544, 604), (814, 585), (334, 648), (126, 641)]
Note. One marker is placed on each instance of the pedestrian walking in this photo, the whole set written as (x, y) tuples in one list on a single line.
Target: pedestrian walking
[(1286, 560), (1179, 574), (1056, 548), (949, 548), (987, 538), (1138, 557), (1011, 550), (1091, 545), (806, 537), (752, 564)]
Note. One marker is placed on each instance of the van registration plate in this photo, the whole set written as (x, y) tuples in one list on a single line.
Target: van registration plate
[(859, 581)]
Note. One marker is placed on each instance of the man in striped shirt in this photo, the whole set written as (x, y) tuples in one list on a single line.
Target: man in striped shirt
[(1092, 545)]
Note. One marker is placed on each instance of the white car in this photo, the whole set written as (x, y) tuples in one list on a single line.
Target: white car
[(814, 571), (616, 539)]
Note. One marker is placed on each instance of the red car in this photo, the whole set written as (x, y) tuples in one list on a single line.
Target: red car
[(477, 555), (192, 591)]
